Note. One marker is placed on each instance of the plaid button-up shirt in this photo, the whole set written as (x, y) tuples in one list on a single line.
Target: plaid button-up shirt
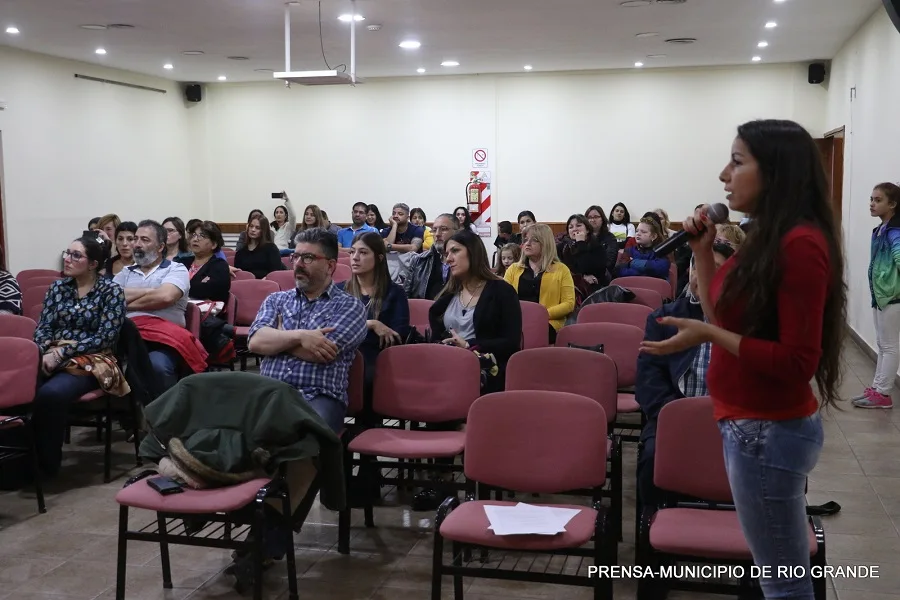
[(292, 310), (693, 383)]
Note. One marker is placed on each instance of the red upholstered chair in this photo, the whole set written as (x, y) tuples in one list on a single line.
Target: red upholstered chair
[(18, 384), (34, 311), (673, 279), (284, 279), (418, 314), (535, 325), (37, 281), (660, 286), (575, 371), (621, 343), (23, 276), (192, 319), (17, 327), (344, 259), (355, 385), (647, 297), (531, 442), (229, 258), (286, 261), (410, 394), (243, 275), (615, 312), (34, 295), (341, 273), (250, 295), (689, 463)]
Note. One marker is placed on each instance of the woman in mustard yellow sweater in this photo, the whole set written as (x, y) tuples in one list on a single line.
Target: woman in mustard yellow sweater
[(540, 277)]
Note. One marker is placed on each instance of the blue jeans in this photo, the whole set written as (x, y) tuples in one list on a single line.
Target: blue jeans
[(768, 463), (332, 411), (51, 415), (165, 365)]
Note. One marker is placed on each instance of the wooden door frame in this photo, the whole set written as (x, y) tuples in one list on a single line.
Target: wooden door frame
[(832, 147)]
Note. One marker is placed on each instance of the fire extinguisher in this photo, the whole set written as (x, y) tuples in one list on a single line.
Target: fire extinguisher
[(473, 195)]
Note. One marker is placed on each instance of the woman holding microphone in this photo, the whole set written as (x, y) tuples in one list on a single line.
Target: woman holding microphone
[(776, 315)]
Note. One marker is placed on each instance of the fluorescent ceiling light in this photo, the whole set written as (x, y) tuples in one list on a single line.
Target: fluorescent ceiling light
[(647, 34), (100, 51), (757, 58), (222, 78), (12, 30), (528, 67), (193, 52), (168, 66), (639, 64), (410, 44), (93, 27), (346, 18), (762, 45), (771, 25), (420, 70), (449, 63)]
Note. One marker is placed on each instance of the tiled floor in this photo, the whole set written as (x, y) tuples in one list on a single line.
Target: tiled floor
[(69, 553)]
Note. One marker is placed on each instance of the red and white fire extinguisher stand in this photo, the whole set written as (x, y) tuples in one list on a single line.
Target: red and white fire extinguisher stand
[(478, 201)]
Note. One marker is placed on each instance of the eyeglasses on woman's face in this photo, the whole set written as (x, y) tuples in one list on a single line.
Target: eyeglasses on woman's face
[(307, 258), (199, 236), (73, 255)]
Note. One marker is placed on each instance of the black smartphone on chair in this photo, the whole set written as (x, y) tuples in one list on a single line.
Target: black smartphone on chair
[(165, 485)]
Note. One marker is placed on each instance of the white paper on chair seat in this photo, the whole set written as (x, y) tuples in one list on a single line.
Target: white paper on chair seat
[(527, 519)]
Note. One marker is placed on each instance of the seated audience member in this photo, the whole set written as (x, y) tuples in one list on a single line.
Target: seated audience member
[(402, 236), (156, 291), (124, 238), (94, 224), (465, 219), (176, 239), (525, 218), (77, 335), (427, 273), (505, 235), (242, 238), (666, 224), (540, 277), (730, 234), (509, 254), (209, 274), (189, 227), (358, 225), (309, 336), (373, 218), (620, 224), (284, 226), (640, 259), (312, 219), (662, 379), (10, 292), (260, 255), (744, 224), (387, 308), (327, 224), (586, 257), (417, 218), (600, 226), (476, 309), (107, 225), (664, 235)]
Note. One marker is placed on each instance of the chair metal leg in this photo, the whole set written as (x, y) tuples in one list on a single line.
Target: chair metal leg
[(32, 447), (344, 531), (437, 565), (259, 521), (136, 434), (122, 553), (164, 551), (107, 450), (99, 421), (368, 471), (291, 558), (457, 579), (68, 438)]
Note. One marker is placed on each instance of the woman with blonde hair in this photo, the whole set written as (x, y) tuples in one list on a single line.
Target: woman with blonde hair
[(540, 277), (666, 224), (312, 219)]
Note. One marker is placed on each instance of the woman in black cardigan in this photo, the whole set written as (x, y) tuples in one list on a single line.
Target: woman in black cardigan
[(477, 309), (210, 276), (588, 255)]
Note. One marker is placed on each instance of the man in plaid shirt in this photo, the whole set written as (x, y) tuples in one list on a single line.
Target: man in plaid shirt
[(662, 379)]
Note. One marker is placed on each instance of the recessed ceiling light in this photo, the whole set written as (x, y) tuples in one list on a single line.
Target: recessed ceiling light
[(449, 63), (120, 26), (681, 41), (771, 25), (639, 64), (757, 58), (222, 78), (100, 51), (238, 58), (647, 34), (193, 52), (93, 27), (528, 67), (346, 18), (657, 55), (168, 66), (635, 3), (778, 1), (12, 30), (410, 44), (420, 70), (762, 45)]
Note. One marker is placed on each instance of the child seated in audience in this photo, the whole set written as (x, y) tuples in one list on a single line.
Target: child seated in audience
[(509, 255), (640, 259), (505, 235)]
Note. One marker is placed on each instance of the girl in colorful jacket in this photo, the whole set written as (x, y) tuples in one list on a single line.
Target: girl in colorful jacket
[(884, 287), (640, 259)]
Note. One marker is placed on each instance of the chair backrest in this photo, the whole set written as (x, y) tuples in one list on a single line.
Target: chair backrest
[(661, 286), (284, 279), (18, 371), (250, 295), (615, 312), (34, 295), (411, 382), (34, 311), (341, 273), (229, 258), (673, 279), (245, 275), (536, 441), (622, 343), (647, 297), (228, 251), (356, 385), (689, 457), (535, 325), (418, 314), (570, 370), (192, 319), (27, 274), (344, 259), (37, 281), (17, 327), (231, 309), (286, 261)]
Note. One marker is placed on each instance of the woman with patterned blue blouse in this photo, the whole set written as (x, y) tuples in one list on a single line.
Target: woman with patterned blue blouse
[(82, 315)]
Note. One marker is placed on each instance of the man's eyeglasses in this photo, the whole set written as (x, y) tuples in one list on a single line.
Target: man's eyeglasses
[(75, 256), (307, 258)]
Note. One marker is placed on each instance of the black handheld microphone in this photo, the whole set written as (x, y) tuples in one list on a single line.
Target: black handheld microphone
[(717, 213)]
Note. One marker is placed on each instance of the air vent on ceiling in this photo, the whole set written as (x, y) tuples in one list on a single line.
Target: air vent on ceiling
[(238, 58), (120, 26), (671, 1), (682, 41), (193, 52)]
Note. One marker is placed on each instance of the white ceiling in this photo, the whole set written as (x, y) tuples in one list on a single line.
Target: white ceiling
[(485, 36)]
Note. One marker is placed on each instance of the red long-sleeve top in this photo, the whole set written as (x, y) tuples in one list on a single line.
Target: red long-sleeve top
[(771, 379)]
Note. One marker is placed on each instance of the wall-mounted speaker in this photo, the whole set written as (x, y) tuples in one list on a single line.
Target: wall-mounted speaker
[(193, 93), (893, 10), (817, 73)]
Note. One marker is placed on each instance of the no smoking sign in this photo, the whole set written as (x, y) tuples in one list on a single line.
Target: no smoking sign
[(479, 158)]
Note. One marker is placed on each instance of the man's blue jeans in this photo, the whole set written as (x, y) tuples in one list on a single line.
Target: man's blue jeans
[(768, 463)]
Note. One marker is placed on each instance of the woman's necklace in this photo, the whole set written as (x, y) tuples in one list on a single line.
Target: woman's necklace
[(473, 296)]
